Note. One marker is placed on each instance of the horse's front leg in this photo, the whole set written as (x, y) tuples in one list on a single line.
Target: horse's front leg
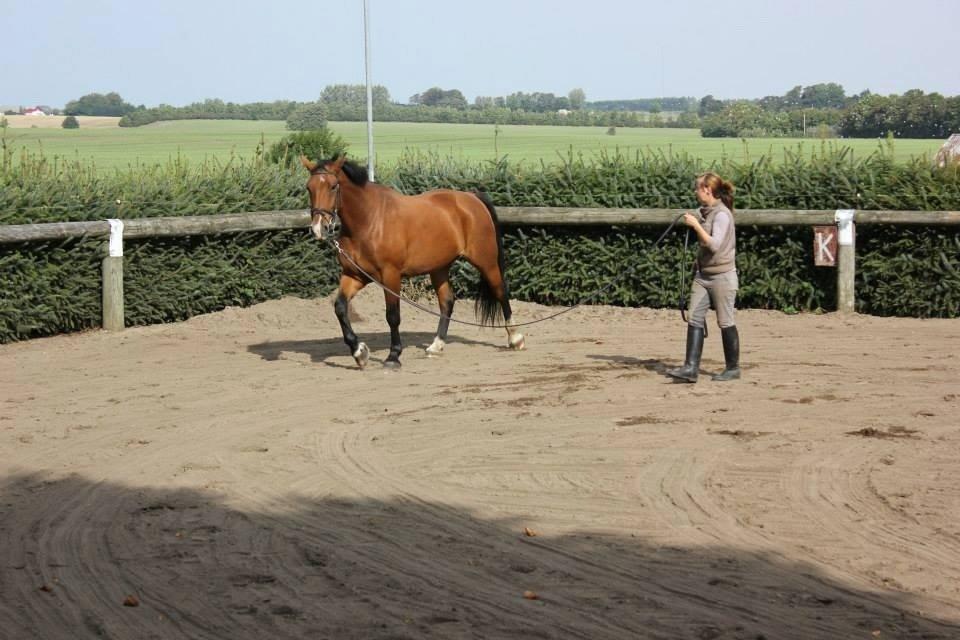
[(349, 288), (391, 281), (441, 284)]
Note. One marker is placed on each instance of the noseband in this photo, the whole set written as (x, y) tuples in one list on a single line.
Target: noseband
[(330, 218)]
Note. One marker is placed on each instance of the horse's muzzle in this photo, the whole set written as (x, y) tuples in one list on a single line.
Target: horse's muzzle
[(324, 224)]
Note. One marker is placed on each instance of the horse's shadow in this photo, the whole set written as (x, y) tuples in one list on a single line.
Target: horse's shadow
[(320, 351)]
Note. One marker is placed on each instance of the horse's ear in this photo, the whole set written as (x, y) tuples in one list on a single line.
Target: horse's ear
[(338, 163), (306, 162)]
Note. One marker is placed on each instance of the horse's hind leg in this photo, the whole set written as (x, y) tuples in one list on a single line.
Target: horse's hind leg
[(497, 288), (441, 284), (514, 337), (349, 288)]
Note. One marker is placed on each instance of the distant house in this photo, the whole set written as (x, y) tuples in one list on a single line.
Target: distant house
[(563, 112), (34, 111), (950, 151)]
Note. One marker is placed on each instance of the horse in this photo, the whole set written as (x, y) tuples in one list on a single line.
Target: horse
[(386, 235)]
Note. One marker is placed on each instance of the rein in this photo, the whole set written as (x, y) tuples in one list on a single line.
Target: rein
[(682, 300), (336, 244)]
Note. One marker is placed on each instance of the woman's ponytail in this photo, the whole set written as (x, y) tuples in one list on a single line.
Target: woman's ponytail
[(722, 189), (726, 194)]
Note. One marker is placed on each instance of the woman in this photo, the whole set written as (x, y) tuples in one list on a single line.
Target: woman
[(715, 283)]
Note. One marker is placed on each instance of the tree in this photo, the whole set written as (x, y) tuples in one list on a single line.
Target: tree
[(771, 103), (429, 98), (98, 104), (308, 117), (744, 118), (688, 120), (791, 99), (577, 99), (454, 98), (354, 95), (824, 95), (912, 115), (536, 102), (868, 118), (318, 145), (437, 97), (70, 122), (709, 105)]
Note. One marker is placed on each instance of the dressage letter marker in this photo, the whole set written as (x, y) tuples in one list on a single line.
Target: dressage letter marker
[(825, 246)]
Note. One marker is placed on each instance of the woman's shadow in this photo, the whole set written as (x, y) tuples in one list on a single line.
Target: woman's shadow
[(629, 362)]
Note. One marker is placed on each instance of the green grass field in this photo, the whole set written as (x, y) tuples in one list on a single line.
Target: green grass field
[(197, 140)]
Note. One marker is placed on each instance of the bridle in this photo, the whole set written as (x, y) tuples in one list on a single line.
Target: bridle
[(330, 218)]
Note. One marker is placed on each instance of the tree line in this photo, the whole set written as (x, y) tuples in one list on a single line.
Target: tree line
[(99, 104), (212, 109), (652, 105), (346, 103), (823, 110)]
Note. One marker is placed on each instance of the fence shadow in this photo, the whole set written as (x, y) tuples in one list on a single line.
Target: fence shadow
[(74, 551)]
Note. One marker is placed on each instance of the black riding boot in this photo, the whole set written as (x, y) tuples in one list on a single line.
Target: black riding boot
[(731, 354), (691, 364)]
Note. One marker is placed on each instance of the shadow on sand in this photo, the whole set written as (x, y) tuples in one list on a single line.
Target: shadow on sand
[(322, 567), (320, 351)]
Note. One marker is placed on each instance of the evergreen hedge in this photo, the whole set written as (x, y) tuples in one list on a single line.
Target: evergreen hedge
[(49, 288)]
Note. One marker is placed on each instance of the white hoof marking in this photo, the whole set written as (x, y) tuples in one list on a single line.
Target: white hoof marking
[(361, 355), (436, 349)]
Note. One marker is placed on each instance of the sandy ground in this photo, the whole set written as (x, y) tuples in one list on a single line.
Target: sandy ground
[(56, 122), (235, 476)]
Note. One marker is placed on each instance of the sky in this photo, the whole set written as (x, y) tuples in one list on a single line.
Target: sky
[(177, 52)]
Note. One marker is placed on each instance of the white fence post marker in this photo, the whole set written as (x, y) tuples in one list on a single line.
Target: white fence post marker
[(112, 274), (846, 260)]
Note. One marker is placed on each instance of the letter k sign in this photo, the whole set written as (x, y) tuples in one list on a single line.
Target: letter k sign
[(824, 255)]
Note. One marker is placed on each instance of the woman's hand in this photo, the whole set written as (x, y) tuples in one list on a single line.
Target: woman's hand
[(693, 222)]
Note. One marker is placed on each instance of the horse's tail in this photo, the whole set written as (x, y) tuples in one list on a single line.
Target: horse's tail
[(490, 308)]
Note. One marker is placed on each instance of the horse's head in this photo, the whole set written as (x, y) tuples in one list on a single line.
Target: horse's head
[(324, 189)]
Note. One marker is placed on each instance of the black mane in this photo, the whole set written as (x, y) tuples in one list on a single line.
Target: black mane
[(358, 175)]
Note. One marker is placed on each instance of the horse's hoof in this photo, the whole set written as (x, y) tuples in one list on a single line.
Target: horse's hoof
[(361, 355), (517, 343), (436, 349), (391, 364)]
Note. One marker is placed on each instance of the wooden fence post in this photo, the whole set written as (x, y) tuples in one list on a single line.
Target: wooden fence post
[(846, 260), (112, 273)]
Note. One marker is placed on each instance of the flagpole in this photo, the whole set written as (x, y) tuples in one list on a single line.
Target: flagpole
[(366, 56)]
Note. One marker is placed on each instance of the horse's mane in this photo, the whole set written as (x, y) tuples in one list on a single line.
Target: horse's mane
[(358, 175)]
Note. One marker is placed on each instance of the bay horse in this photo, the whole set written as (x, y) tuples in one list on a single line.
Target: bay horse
[(390, 235)]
